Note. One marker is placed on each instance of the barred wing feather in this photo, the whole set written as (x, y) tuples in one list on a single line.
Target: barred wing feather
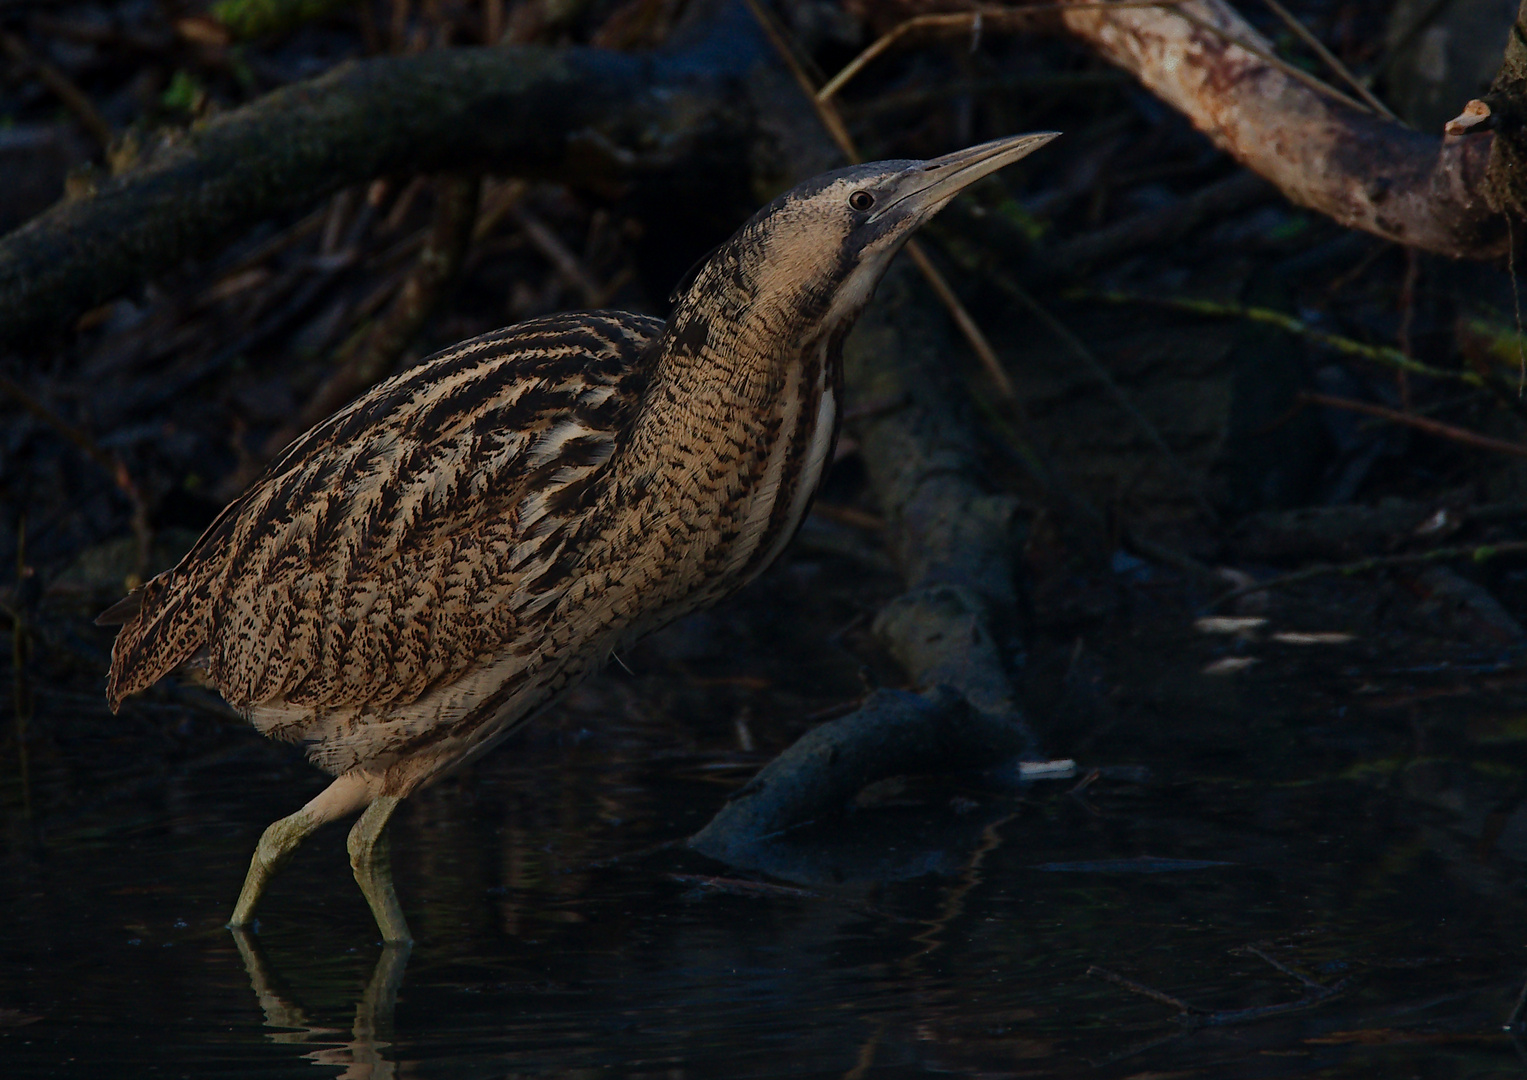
[(399, 543)]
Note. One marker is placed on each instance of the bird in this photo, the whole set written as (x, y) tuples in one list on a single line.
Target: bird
[(420, 574)]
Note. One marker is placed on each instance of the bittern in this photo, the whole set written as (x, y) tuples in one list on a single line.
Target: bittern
[(421, 573)]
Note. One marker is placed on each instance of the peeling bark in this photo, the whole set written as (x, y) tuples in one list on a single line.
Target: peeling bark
[(1450, 195), (1507, 102), (1365, 172)]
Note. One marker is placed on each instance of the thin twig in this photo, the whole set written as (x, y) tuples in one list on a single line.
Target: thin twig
[(63, 88), (436, 266), (830, 119), (1195, 1017), (826, 114), (1383, 354), (371, 351), (1516, 1010), (109, 463), (1473, 552), (1018, 16), (922, 95), (964, 320), (743, 887), (1420, 423), (1318, 47), (1272, 961), (1146, 991), (270, 248), (986, 18), (1227, 1017), (569, 267), (495, 204)]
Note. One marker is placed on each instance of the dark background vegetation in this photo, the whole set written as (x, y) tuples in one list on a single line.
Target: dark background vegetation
[(1191, 356)]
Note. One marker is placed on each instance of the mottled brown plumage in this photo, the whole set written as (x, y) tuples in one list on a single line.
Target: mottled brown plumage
[(399, 544), (426, 569)]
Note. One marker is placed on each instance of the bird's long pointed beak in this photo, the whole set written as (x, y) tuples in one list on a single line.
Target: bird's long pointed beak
[(934, 182)]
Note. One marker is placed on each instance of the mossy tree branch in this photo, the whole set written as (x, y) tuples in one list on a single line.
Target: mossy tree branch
[(586, 116)]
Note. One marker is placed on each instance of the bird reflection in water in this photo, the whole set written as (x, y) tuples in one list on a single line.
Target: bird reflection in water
[(361, 1056)]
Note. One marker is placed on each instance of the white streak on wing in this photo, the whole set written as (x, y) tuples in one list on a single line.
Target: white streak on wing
[(595, 395), (550, 444)]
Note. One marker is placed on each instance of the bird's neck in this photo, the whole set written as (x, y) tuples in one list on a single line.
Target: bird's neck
[(737, 425), (752, 318), (740, 371)]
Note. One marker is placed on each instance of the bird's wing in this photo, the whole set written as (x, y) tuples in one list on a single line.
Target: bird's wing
[(400, 541)]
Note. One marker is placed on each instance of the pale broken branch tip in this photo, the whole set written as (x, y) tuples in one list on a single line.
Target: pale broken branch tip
[(1476, 117)]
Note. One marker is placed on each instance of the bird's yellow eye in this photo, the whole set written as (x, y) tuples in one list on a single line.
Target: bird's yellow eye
[(861, 200)]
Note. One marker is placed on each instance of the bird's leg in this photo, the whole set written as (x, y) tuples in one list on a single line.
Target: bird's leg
[(370, 859), (344, 796)]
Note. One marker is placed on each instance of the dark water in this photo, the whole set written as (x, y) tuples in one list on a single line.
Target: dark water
[(1321, 855)]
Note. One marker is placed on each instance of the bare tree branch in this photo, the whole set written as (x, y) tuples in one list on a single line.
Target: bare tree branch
[(1322, 149), (1440, 194)]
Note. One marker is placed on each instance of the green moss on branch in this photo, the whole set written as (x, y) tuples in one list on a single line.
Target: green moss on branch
[(253, 18)]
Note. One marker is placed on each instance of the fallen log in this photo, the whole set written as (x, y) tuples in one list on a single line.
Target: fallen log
[(960, 622), (957, 629), (592, 117)]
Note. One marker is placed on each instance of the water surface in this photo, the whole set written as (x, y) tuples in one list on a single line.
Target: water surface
[(1320, 855)]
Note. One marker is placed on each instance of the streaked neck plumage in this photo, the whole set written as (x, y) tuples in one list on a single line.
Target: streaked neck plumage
[(744, 395), (763, 302)]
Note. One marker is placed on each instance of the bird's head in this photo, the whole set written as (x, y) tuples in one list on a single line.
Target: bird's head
[(811, 259)]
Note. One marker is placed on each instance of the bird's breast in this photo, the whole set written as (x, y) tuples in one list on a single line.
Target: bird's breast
[(798, 449), (707, 494)]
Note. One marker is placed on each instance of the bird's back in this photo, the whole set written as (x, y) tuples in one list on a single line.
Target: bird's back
[(400, 544)]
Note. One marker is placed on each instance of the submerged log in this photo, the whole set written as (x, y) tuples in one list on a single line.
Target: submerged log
[(894, 733)]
